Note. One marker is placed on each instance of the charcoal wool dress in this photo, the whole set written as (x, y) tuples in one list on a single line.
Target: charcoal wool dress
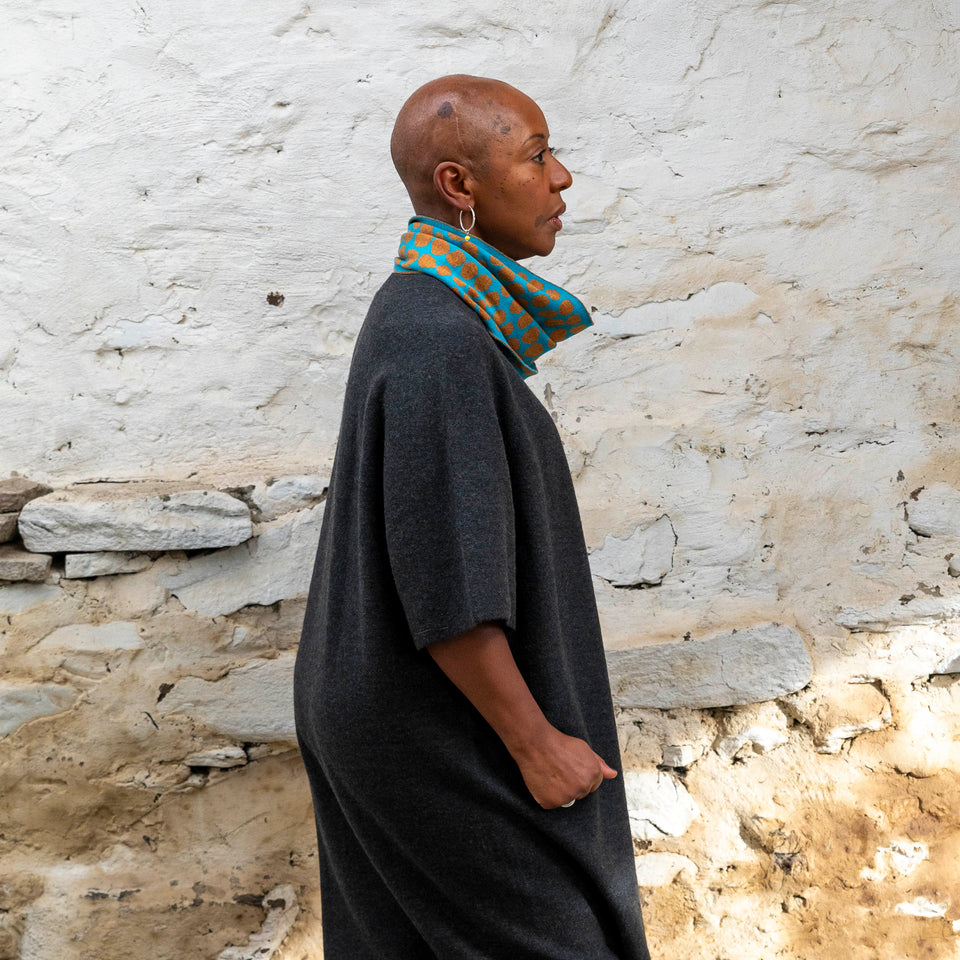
[(451, 504)]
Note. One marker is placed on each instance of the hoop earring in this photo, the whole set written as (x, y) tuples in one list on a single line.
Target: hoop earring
[(473, 220)]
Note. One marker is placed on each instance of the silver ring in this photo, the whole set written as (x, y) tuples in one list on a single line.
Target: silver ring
[(570, 804)]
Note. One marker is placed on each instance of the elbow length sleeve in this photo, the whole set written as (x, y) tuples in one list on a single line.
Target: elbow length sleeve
[(448, 505)]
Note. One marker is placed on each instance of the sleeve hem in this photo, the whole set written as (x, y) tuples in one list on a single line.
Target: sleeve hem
[(452, 628)]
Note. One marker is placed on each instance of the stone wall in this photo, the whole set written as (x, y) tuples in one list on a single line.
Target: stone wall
[(761, 426)]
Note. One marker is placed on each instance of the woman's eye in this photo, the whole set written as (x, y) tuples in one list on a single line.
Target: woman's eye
[(539, 158)]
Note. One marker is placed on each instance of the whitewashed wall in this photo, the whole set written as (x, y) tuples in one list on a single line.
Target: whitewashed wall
[(762, 426)]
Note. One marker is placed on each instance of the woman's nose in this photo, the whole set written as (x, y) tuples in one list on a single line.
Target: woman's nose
[(561, 178)]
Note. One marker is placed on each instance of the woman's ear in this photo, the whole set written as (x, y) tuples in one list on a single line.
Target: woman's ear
[(453, 184)]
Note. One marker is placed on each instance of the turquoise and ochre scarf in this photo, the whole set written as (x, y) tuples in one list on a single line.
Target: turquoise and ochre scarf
[(520, 310)]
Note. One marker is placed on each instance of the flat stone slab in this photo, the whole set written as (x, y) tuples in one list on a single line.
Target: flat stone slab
[(133, 517), (935, 512), (17, 564), (252, 703), (103, 564), (645, 557), (15, 492), (8, 526), (737, 667), (22, 702), (91, 638), (275, 565), (85, 649), (286, 494), (895, 614)]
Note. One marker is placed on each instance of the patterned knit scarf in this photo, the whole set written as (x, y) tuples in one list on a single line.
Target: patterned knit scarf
[(519, 309)]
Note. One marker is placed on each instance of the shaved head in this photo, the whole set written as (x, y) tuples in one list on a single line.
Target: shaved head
[(451, 119)]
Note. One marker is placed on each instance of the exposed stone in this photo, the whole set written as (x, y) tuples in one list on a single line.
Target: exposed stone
[(77, 565), (679, 756), (935, 512), (950, 664), (15, 492), (838, 712), (92, 638), (8, 526), (736, 667), (953, 565), (658, 804), (759, 728), (645, 557), (922, 907), (907, 611), (253, 702), (221, 757), (17, 597), (133, 517), (760, 739), (717, 300), (22, 702), (286, 494), (902, 653), (83, 649), (17, 564), (900, 859), (661, 869), (282, 910), (275, 565)]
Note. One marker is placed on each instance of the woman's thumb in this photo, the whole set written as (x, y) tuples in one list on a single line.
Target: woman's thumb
[(608, 772)]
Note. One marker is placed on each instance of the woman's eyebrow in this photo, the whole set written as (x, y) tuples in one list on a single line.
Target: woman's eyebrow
[(535, 136)]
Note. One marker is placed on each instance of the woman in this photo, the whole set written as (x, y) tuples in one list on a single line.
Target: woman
[(452, 700)]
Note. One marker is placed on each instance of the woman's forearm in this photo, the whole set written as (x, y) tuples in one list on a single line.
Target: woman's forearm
[(481, 664), (556, 768)]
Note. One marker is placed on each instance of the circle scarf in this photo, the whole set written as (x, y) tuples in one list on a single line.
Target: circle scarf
[(521, 311)]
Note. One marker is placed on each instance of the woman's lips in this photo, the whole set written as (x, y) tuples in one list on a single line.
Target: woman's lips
[(557, 222)]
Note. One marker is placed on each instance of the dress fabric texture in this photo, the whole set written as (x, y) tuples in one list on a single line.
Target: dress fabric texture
[(451, 504)]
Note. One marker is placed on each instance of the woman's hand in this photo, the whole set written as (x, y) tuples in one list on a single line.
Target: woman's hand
[(558, 769)]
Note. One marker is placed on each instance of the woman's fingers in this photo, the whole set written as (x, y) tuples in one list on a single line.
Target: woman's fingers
[(562, 769)]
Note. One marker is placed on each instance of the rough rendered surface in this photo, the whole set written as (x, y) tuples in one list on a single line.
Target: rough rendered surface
[(195, 209)]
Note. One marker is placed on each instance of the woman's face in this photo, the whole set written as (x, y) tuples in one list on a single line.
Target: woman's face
[(517, 192)]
